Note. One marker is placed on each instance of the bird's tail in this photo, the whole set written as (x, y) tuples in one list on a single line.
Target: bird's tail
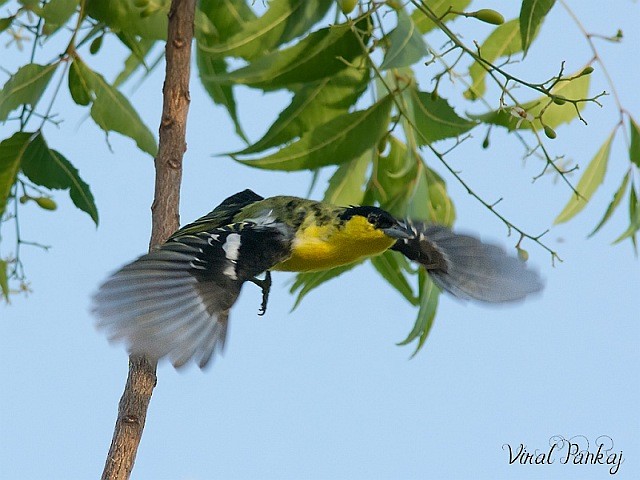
[(468, 268)]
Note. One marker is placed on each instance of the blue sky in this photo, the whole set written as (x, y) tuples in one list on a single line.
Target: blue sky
[(323, 391)]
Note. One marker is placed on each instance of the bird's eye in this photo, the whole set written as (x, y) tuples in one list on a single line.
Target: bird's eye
[(373, 218)]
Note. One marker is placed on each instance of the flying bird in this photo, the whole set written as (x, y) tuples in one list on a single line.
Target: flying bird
[(174, 301)]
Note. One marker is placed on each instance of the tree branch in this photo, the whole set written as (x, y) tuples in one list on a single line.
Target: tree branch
[(132, 410)]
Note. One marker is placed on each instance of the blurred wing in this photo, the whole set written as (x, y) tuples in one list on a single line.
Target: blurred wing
[(468, 268), (175, 300)]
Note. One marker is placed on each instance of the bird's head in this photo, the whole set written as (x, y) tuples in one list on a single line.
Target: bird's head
[(377, 219)]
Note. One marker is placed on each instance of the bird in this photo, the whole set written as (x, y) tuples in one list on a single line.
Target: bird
[(175, 301)]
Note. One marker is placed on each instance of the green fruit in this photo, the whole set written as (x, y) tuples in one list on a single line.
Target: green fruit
[(550, 132), (46, 203), (559, 100), (141, 3), (586, 71), (488, 16), (347, 6), (95, 45), (24, 199), (523, 254)]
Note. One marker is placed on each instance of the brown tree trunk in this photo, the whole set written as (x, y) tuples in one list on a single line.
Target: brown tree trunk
[(132, 410)]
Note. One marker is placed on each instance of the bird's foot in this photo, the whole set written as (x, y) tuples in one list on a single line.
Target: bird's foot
[(265, 285)]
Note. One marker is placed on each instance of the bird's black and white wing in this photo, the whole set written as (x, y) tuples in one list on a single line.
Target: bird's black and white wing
[(466, 267), (175, 300)]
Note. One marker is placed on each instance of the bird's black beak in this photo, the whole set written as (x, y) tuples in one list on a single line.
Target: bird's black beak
[(397, 231)]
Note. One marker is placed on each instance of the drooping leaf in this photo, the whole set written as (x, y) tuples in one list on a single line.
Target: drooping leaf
[(429, 295), (532, 13), (50, 169), (307, 281), (340, 140), (78, 87), (56, 13), (4, 280), (345, 186), (395, 177), (281, 23), (406, 44), (112, 111), (589, 182), (227, 17), (319, 55), (504, 41), (134, 61), (634, 148), (419, 203), (388, 265), (441, 208), (554, 116), (634, 218), (314, 104), (617, 197), (25, 87), (435, 119), (124, 16), (12, 150), (208, 69), (439, 8)]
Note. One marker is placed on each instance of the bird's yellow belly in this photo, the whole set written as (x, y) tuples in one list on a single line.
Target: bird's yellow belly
[(315, 251)]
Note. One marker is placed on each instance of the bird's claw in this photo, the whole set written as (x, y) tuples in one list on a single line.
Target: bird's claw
[(265, 285)]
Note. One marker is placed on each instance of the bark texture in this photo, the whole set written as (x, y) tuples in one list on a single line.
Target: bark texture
[(132, 409)]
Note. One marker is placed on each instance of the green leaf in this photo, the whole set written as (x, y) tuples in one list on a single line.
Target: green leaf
[(617, 197), (407, 45), (435, 119), (281, 23), (589, 182), (634, 148), (441, 208), (49, 168), (4, 280), (208, 69), (56, 13), (554, 116), (439, 8), (504, 41), (388, 265), (78, 87), (314, 104), (395, 177), (320, 55), (634, 218), (6, 23), (134, 61), (342, 139), (345, 186), (532, 13), (429, 295), (12, 150), (307, 281), (112, 111), (124, 16), (25, 87), (227, 17)]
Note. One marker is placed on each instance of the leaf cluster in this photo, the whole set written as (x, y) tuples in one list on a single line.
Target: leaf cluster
[(356, 108)]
